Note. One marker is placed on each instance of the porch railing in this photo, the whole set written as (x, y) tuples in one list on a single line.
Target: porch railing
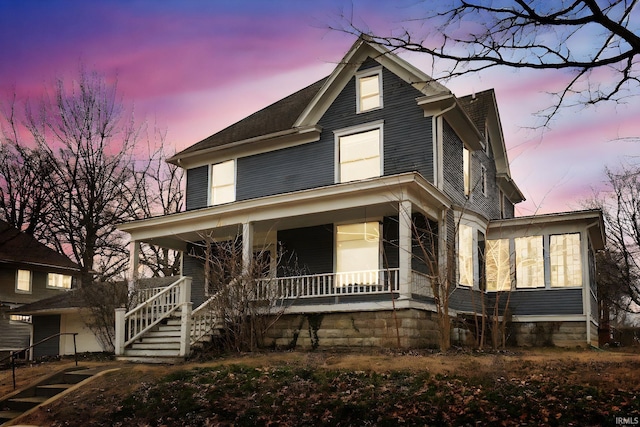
[(161, 304), (203, 320), (330, 284)]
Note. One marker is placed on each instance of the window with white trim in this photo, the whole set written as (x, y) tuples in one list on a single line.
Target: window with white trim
[(369, 90), (359, 155), (565, 260), (358, 253), (466, 170), (529, 262), (465, 255), (223, 183), (498, 265), (58, 281), (23, 281)]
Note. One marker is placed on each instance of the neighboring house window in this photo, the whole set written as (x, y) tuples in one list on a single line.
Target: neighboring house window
[(23, 281), (465, 255), (483, 180), (529, 262), (223, 180), (369, 90), (20, 318), (357, 253), (359, 155), (466, 170), (58, 281), (565, 260), (498, 265)]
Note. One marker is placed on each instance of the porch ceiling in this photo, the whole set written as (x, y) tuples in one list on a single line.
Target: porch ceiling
[(371, 198)]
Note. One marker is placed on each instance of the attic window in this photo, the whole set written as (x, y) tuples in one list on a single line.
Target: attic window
[(369, 90)]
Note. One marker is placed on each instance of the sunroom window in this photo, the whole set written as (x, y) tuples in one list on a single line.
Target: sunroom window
[(369, 90), (497, 263), (60, 281), (565, 260), (465, 255), (359, 155), (223, 178), (357, 253), (529, 262)]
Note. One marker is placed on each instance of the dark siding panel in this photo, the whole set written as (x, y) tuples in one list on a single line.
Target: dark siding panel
[(44, 327), (194, 268), (197, 187), (14, 335), (464, 299), (546, 302), (307, 250), (390, 235), (282, 171)]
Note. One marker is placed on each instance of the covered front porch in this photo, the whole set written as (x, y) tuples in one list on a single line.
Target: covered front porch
[(315, 255)]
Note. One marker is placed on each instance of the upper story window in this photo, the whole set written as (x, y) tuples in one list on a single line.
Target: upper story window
[(23, 281), (223, 183), (565, 260), (58, 281), (359, 154), (466, 170), (369, 90)]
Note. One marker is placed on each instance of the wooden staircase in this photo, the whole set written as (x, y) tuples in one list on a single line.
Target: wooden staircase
[(26, 400), (161, 344)]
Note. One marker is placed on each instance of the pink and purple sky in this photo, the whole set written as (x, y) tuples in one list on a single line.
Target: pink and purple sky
[(195, 67)]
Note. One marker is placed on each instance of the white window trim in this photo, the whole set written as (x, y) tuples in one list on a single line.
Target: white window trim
[(22, 291), (210, 176), (368, 73), (352, 130)]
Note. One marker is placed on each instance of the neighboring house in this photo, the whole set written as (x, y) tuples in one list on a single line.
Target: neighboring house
[(29, 272), (342, 173)]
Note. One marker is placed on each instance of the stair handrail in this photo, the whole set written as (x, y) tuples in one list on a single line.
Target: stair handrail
[(149, 313), (14, 353), (202, 320)]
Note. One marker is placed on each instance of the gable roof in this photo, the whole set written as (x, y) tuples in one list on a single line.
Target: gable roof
[(18, 247)]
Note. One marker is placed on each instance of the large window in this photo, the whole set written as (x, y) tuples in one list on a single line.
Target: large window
[(529, 262), (60, 281), (369, 91), (565, 261), (23, 281), (357, 250), (359, 155), (465, 255), (498, 264), (223, 178), (466, 170)]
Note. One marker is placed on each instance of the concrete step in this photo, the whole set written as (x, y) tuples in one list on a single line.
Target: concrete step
[(167, 360), (8, 415), (23, 403), (50, 390), (152, 353), (165, 345), (157, 339), (161, 334)]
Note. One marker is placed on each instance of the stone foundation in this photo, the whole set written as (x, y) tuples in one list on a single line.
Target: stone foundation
[(415, 329), (558, 334)]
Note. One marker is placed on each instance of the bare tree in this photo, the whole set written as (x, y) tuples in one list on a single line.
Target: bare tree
[(25, 187), (89, 139), (580, 37)]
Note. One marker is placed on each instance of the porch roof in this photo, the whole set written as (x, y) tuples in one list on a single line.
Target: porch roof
[(339, 202)]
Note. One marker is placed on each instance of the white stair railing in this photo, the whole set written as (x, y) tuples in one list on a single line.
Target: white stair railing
[(203, 320), (163, 303)]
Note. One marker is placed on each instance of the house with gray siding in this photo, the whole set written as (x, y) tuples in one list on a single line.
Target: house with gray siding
[(373, 181), (29, 272)]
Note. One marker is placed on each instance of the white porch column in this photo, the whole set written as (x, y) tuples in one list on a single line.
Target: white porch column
[(247, 245), (134, 262), (404, 247)]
